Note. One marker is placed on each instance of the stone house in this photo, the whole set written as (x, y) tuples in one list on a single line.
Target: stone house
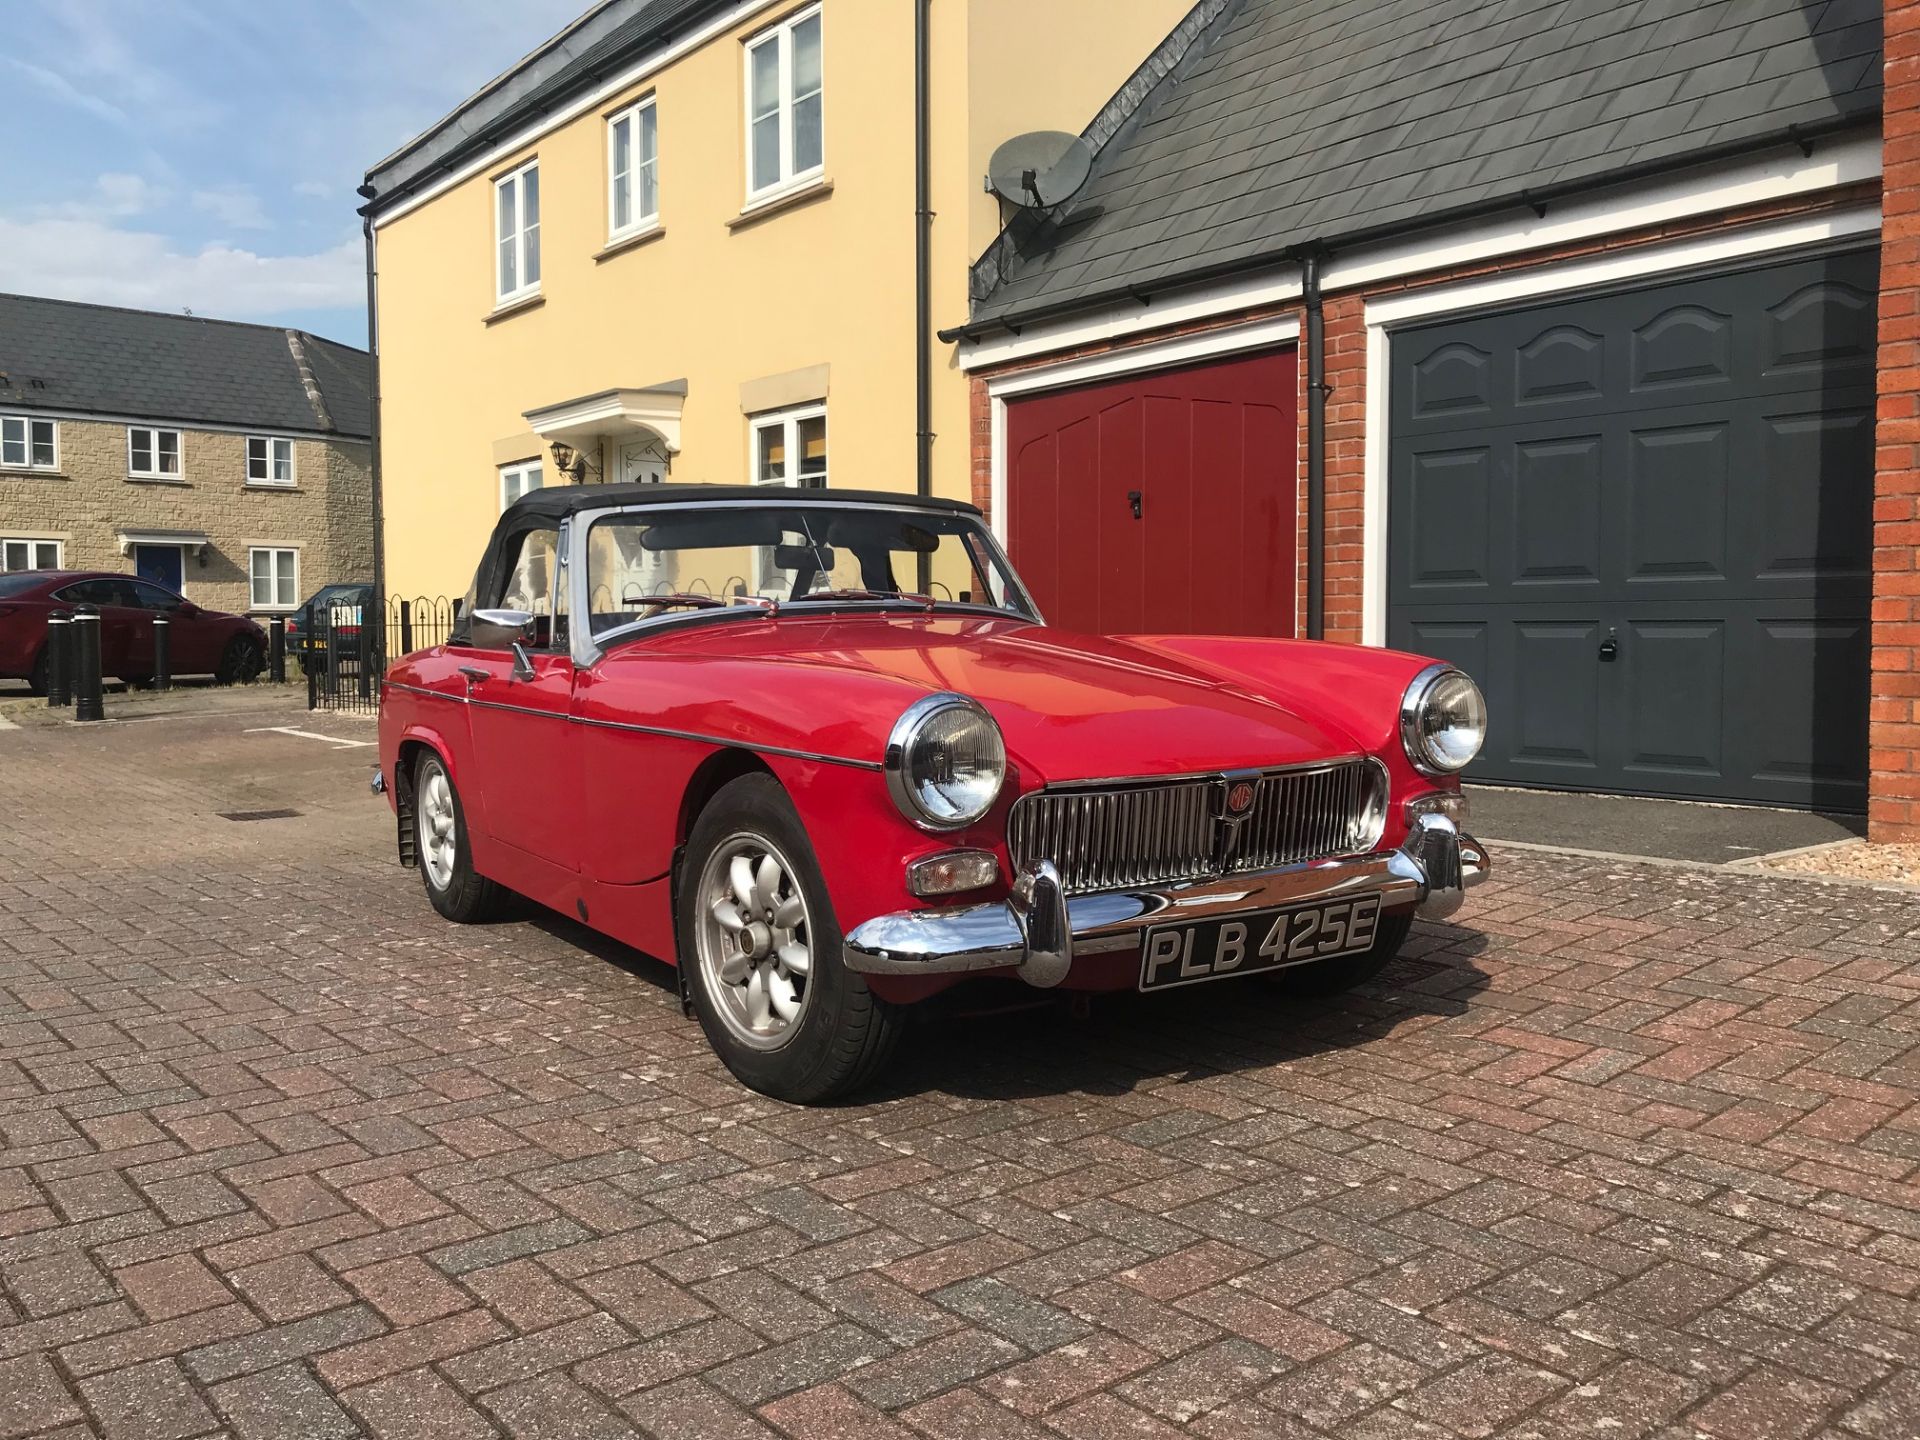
[(230, 462)]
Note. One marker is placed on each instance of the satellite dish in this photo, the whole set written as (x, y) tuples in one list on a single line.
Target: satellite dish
[(1043, 167)]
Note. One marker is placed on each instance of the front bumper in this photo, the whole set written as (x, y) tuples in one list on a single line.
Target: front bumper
[(1038, 930)]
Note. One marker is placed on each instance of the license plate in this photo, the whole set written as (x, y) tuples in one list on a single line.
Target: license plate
[(1257, 940)]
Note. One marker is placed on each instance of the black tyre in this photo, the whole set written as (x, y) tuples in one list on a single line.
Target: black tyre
[(240, 663), (443, 851), (37, 677), (761, 951), (1330, 977)]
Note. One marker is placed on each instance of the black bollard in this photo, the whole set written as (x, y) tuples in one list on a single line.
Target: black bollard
[(406, 627), (368, 614), (87, 701), (277, 649), (59, 658), (162, 653)]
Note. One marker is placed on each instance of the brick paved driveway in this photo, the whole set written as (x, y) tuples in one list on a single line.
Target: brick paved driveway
[(1630, 1154)]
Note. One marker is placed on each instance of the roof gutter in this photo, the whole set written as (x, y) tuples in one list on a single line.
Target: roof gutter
[(1537, 200), (1311, 260)]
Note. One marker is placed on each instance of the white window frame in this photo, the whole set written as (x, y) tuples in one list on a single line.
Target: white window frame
[(638, 221), (525, 288), (28, 424), (787, 421), (269, 480), (274, 576), (516, 472), (33, 544), (781, 36), (153, 434)]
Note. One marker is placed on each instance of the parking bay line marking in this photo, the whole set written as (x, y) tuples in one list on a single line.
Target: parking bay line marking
[(334, 740)]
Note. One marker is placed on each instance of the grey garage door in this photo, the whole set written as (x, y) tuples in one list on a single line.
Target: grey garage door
[(1642, 522)]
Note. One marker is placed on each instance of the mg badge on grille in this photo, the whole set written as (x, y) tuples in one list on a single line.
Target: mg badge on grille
[(1240, 798)]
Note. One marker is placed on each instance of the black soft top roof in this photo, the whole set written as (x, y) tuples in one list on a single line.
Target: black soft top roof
[(562, 500)]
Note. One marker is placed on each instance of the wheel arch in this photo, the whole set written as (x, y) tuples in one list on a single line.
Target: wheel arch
[(413, 744)]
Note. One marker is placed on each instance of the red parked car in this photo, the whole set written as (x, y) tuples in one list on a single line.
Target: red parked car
[(202, 642), (819, 749)]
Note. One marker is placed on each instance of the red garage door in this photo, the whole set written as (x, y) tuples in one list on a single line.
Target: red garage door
[(1160, 502)]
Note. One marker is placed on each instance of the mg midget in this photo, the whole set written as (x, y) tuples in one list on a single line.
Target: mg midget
[(819, 749)]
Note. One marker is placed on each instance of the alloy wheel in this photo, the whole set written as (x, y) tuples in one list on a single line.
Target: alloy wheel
[(755, 944), (435, 827)]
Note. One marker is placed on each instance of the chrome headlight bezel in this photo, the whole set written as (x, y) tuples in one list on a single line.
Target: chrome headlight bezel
[(906, 732), (1415, 734)]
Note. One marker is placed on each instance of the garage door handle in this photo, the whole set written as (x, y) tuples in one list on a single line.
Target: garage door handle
[(1133, 499), (1610, 646)]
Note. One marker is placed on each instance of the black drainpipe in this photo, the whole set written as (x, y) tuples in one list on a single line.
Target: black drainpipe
[(366, 192), (922, 275), (1317, 389)]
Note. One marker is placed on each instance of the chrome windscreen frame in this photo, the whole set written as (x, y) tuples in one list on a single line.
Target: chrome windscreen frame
[(586, 648)]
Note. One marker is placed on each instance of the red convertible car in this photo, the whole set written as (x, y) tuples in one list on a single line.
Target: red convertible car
[(820, 749)]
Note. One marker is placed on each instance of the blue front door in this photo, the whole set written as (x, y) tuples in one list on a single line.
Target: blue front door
[(161, 564)]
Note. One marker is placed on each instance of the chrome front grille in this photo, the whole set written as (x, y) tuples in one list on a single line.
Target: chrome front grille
[(1109, 837)]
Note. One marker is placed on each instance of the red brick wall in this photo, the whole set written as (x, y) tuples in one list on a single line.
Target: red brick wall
[(1893, 807), (1346, 359)]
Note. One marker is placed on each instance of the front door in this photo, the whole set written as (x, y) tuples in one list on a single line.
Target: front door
[(1160, 502), (523, 747), (162, 564)]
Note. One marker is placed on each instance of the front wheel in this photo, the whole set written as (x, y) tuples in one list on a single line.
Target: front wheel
[(762, 954), (1331, 977), (240, 663), (443, 851)]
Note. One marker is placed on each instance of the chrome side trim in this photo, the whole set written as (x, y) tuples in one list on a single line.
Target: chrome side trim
[(699, 739), (734, 744)]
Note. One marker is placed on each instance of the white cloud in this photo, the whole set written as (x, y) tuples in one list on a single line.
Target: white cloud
[(313, 189), (235, 206), (91, 260), (65, 91), (114, 196)]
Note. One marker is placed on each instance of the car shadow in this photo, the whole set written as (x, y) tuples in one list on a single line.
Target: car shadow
[(1119, 1042), (1002, 1039)]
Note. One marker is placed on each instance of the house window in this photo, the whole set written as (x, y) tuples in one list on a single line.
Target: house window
[(28, 444), (269, 460), (153, 454), (633, 170), (516, 233), (29, 555), (517, 480), (790, 447), (784, 137), (275, 577)]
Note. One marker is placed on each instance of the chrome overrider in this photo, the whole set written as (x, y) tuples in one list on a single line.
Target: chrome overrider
[(1039, 929)]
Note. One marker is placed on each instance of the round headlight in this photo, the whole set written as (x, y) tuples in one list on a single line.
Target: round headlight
[(945, 762), (1443, 720)]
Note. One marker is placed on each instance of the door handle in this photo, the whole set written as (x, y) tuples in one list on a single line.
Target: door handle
[(1133, 499), (1610, 646), (474, 674)]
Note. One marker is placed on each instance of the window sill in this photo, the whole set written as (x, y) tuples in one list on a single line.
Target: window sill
[(14, 472), (632, 240), (270, 485), (507, 309), (157, 480), (804, 193)]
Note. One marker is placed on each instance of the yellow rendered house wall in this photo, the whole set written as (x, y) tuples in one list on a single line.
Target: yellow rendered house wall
[(827, 282)]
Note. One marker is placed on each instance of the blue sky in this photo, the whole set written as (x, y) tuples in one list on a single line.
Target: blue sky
[(203, 153)]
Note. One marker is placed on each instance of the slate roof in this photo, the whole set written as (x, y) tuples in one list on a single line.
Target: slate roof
[(1320, 120), (601, 42), (144, 364)]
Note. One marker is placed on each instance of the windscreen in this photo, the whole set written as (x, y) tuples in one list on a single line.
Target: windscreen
[(21, 581), (789, 555)]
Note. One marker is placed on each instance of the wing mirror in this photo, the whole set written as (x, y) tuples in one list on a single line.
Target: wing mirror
[(506, 630)]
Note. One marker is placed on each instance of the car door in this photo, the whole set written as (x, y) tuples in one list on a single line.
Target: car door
[(525, 759), (111, 597), (193, 639)]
